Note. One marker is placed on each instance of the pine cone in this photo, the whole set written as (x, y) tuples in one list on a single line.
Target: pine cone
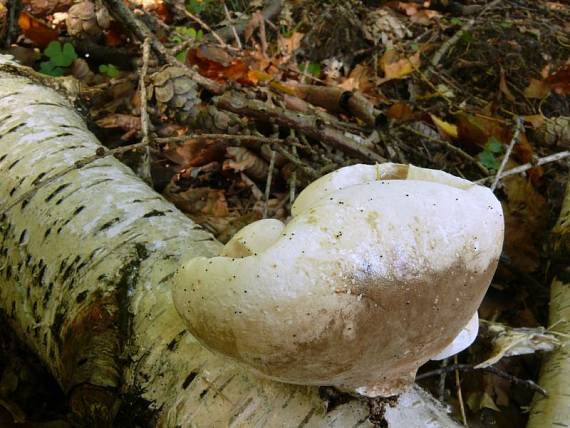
[(87, 19), (175, 93)]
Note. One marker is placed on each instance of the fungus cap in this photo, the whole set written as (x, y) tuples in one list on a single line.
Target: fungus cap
[(380, 269)]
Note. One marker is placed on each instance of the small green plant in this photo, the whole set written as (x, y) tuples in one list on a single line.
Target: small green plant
[(456, 21), (488, 157), (59, 58), (313, 68), (467, 36), (197, 6), (110, 70), (180, 34)]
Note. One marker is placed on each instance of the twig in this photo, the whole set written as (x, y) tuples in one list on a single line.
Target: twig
[(441, 383), (460, 394), (455, 38), (14, 7), (526, 383), (241, 138), (206, 27), (270, 10), (268, 183), (229, 18), (514, 140), (146, 173), (451, 147), (525, 167), (305, 123)]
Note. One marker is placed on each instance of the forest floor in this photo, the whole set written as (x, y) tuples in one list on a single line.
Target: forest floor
[(476, 88)]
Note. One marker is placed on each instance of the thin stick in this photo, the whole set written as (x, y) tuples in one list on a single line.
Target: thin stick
[(207, 28), (293, 181), (268, 183), (529, 384), (146, 174), (236, 36), (514, 140), (451, 147), (442, 376), (460, 394), (246, 138), (455, 38), (523, 168)]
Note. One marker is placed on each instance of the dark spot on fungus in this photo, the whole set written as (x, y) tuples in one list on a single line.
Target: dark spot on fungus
[(189, 379)]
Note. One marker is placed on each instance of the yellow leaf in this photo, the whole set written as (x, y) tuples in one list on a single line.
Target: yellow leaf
[(536, 120), (537, 89), (398, 69), (446, 128)]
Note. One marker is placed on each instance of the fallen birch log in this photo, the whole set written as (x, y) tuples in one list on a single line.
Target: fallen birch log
[(86, 253), (554, 410)]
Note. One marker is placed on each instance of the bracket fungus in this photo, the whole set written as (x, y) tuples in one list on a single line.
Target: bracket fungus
[(380, 269)]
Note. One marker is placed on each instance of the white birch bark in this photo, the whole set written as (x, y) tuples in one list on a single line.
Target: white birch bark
[(86, 252), (554, 410)]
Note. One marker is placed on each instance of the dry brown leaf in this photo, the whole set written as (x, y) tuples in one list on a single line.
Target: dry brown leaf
[(504, 87), (400, 111), (536, 120), (398, 68), (199, 200), (128, 123), (245, 160), (194, 153), (288, 45), (359, 79), (537, 89), (526, 218), (559, 81)]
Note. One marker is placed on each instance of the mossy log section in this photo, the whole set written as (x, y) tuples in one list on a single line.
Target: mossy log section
[(554, 410), (86, 253)]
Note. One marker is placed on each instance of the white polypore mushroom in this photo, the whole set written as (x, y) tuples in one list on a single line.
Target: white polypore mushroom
[(380, 269)]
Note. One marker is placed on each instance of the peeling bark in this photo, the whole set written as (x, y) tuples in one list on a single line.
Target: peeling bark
[(554, 410), (86, 253)]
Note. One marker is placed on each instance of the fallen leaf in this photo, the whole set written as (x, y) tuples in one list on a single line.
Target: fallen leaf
[(537, 89), (400, 111), (128, 123), (194, 153), (398, 68), (288, 45), (536, 120), (504, 88), (444, 127), (36, 30), (245, 160), (559, 81), (526, 218)]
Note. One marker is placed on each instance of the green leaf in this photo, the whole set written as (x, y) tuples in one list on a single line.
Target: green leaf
[(312, 68), (60, 56), (196, 6), (467, 36), (181, 56), (489, 160), (50, 69), (110, 70), (53, 49), (68, 55), (493, 145), (456, 21)]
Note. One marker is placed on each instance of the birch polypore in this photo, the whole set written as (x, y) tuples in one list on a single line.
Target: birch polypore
[(86, 254), (380, 269)]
